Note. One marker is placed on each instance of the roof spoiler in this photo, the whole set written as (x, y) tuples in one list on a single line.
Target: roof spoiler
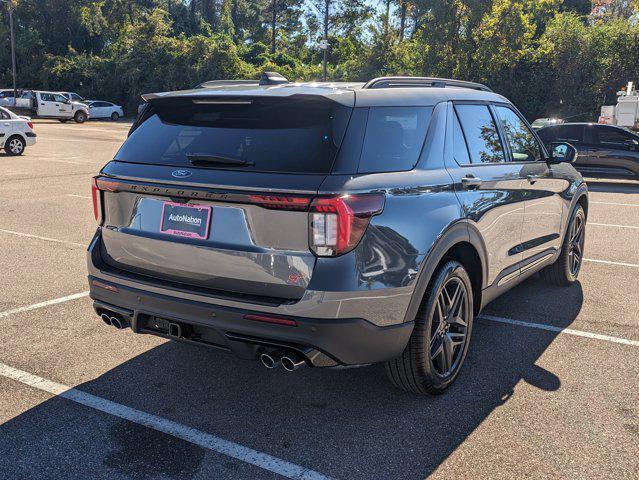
[(272, 78), (407, 82)]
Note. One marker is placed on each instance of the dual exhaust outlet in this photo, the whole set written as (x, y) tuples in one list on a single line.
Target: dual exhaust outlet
[(290, 361), (115, 320)]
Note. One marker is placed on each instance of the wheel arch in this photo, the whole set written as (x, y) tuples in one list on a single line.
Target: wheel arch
[(461, 242), (20, 135)]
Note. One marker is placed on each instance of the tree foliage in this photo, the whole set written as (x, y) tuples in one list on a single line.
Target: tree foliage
[(551, 57)]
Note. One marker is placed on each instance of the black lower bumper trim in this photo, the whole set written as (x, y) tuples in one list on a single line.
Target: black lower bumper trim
[(340, 341)]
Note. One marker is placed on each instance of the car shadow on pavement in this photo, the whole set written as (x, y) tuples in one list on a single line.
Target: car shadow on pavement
[(611, 186), (347, 423)]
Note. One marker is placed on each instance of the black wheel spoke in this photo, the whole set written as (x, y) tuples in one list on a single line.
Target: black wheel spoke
[(447, 354), (436, 347), (456, 338)]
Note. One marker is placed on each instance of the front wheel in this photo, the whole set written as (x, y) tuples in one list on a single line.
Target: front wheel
[(14, 146), (80, 117), (565, 270), (438, 345)]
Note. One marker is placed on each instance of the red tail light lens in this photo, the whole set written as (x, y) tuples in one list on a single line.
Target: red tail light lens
[(274, 320), (279, 202), (97, 200), (30, 125), (337, 224)]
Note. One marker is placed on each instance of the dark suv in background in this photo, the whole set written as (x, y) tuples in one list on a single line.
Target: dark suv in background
[(602, 149), (330, 224)]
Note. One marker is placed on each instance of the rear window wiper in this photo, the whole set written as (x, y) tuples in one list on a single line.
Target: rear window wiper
[(205, 158)]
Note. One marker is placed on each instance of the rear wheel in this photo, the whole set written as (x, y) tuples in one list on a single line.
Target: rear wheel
[(115, 116), (14, 146), (437, 348), (80, 117), (565, 270)]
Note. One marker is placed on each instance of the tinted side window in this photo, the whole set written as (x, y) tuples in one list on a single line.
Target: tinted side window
[(481, 134), (394, 138), (570, 133), (612, 136), (460, 149), (522, 142), (46, 97), (4, 115), (60, 98)]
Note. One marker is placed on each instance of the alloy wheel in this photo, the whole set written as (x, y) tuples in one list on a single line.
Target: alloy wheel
[(449, 331), (16, 146), (576, 245)]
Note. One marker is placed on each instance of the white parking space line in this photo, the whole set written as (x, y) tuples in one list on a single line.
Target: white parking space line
[(38, 237), (47, 303), (633, 227), (606, 262), (616, 204), (77, 196), (169, 427), (568, 331)]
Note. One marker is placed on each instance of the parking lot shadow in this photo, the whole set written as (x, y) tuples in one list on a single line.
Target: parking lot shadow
[(612, 186), (346, 423)]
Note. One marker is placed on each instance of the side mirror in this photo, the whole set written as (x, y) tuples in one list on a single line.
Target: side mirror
[(561, 152), (633, 145)]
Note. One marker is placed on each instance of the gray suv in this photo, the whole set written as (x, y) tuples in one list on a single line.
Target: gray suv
[(327, 224)]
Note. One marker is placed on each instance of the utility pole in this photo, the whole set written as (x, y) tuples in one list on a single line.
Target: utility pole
[(273, 25), (13, 49), (325, 43)]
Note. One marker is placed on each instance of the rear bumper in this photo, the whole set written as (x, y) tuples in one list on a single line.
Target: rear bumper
[(324, 342), (347, 339)]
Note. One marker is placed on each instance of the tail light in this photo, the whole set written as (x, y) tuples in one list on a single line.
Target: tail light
[(279, 202), (30, 124), (337, 224), (97, 200)]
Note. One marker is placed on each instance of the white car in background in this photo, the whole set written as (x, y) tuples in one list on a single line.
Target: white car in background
[(101, 109), (16, 133)]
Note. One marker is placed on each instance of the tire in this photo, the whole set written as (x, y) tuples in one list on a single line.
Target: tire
[(421, 368), (15, 146), (565, 270), (80, 117), (115, 116)]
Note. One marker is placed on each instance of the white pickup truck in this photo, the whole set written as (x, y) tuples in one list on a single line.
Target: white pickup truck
[(35, 103)]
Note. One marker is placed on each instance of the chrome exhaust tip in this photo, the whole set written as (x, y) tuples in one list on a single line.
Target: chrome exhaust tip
[(119, 323), (292, 362), (271, 359), (106, 319)]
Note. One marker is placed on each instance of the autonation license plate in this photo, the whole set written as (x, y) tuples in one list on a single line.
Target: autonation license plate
[(190, 221)]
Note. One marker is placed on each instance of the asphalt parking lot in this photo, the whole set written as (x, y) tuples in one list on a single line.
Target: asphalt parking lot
[(550, 388)]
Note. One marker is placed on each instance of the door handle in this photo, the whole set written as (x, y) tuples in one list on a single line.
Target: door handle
[(532, 179), (470, 182)]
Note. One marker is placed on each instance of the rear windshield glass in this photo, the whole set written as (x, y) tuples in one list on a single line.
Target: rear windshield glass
[(394, 138), (299, 135)]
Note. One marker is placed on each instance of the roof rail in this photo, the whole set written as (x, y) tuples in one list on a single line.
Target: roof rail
[(403, 82), (221, 83)]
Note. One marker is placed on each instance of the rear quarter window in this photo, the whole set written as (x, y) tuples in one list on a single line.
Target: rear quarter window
[(394, 138)]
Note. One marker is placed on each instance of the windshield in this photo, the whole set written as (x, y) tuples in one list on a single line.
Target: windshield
[(292, 135)]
